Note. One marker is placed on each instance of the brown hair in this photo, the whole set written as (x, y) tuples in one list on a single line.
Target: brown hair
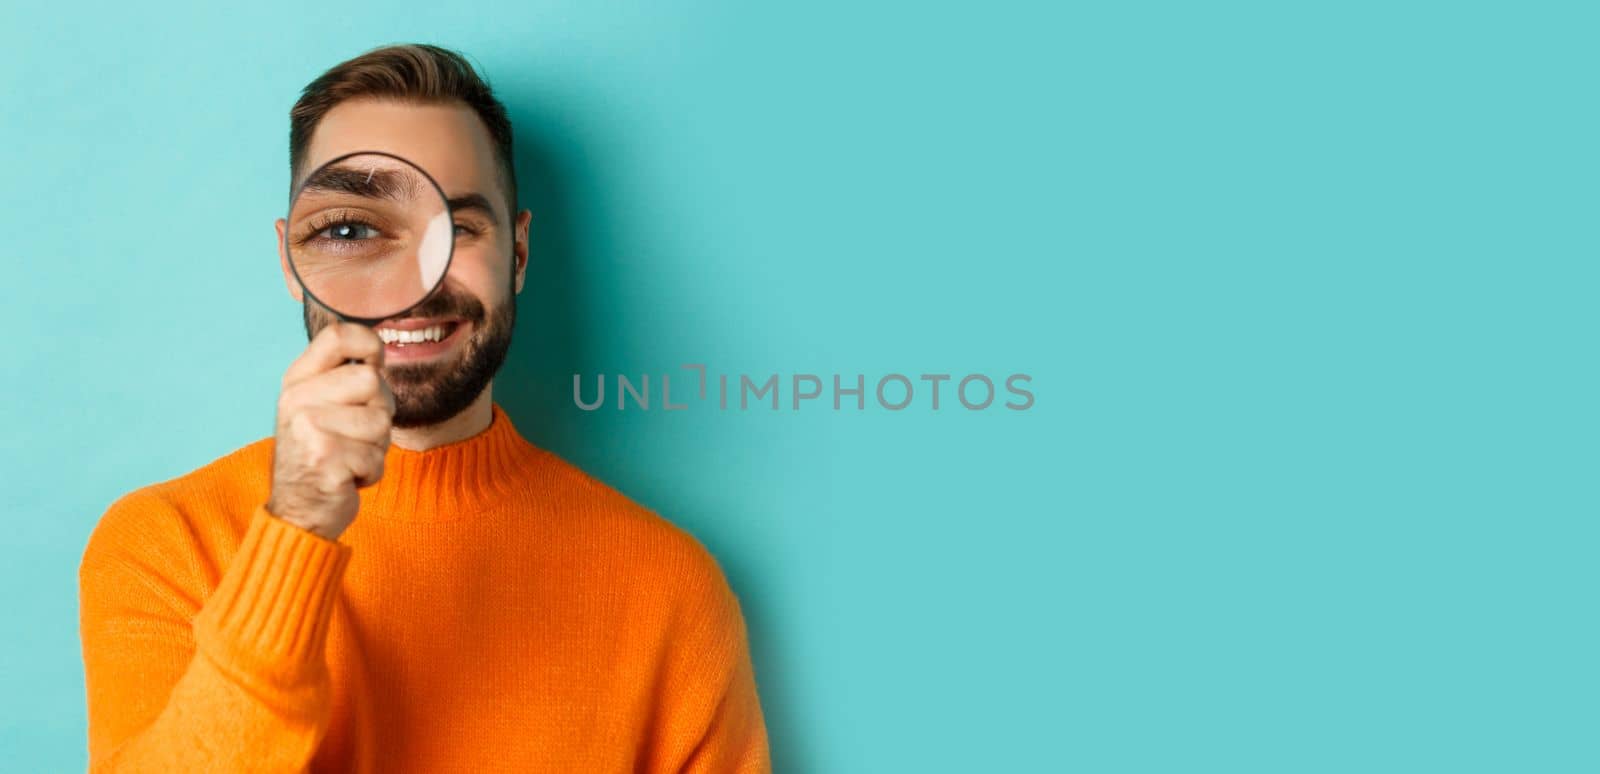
[(418, 72)]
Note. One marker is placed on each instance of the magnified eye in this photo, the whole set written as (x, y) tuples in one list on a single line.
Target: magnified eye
[(350, 231)]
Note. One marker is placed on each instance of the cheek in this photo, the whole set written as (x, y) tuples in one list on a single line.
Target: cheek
[(481, 269)]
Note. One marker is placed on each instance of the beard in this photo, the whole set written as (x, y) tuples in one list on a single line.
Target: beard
[(430, 393)]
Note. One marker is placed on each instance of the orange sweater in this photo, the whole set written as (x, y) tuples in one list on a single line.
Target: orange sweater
[(492, 608)]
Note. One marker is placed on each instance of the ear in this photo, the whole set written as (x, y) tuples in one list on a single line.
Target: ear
[(519, 247), (283, 261)]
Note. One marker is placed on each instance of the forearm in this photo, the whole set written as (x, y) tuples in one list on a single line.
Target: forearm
[(255, 692), (211, 722)]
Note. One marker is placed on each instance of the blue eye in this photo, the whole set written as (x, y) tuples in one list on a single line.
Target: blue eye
[(350, 231)]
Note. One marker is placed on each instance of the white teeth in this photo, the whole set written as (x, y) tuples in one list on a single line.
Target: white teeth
[(402, 338)]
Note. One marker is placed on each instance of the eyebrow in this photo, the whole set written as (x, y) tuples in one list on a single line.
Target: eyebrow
[(474, 201), (389, 184), (370, 183)]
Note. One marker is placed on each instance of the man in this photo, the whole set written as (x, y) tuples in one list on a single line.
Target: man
[(398, 581)]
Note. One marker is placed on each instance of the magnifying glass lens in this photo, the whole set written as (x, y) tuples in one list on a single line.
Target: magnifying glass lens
[(369, 236)]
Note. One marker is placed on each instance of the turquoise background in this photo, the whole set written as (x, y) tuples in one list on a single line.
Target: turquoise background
[(1307, 292)]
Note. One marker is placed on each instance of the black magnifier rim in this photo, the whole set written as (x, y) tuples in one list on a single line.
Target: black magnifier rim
[(289, 250)]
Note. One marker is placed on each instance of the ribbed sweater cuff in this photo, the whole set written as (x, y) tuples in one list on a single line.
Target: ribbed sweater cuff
[(268, 617)]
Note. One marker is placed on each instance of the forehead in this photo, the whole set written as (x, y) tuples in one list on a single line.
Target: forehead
[(448, 141)]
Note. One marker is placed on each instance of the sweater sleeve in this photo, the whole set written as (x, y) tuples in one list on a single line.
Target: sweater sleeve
[(715, 708), (235, 682)]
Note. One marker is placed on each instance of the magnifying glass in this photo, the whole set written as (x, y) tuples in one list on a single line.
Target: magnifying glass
[(370, 236)]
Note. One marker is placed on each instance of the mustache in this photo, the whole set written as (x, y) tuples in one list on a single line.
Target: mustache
[(446, 303)]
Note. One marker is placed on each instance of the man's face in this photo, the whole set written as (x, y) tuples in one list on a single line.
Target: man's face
[(476, 303)]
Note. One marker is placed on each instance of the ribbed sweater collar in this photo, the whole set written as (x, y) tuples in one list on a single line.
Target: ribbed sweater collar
[(451, 481)]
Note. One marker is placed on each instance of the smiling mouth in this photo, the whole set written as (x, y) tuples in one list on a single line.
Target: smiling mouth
[(402, 337)]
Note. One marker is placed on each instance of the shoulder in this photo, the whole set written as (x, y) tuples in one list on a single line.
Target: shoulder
[(671, 583), (625, 535), (186, 516)]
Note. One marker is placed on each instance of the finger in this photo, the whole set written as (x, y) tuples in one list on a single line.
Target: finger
[(385, 399), (353, 385), (331, 347), (318, 356), (365, 462), (366, 424)]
